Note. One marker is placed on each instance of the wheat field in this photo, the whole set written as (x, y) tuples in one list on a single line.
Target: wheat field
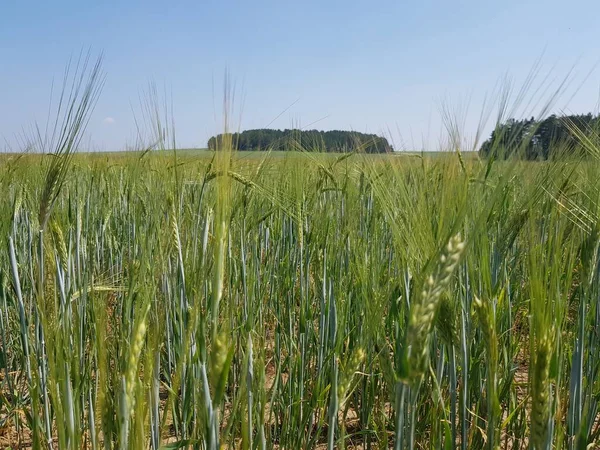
[(208, 300), (304, 301)]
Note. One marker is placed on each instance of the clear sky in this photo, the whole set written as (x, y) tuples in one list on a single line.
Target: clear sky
[(376, 66)]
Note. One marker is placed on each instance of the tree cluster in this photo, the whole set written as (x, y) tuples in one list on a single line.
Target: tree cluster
[(312, 140), (531, 139)]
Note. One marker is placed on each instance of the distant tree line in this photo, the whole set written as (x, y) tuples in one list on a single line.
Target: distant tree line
[(531, 139), (314, 140)]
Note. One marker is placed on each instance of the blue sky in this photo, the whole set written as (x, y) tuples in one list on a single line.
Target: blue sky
[(376, 66)]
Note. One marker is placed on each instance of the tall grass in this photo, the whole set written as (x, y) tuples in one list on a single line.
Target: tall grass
[(305, 301)]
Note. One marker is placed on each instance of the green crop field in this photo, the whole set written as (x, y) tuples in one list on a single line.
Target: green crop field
[(225, 299), (301, 301)]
